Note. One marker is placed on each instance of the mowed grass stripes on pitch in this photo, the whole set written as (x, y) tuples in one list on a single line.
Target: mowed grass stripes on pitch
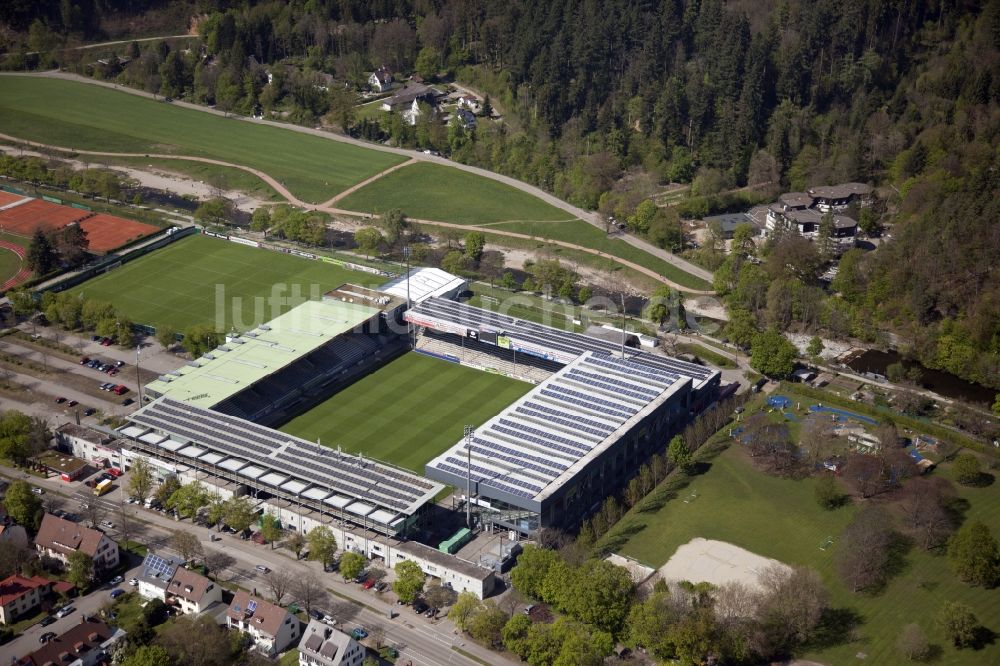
[(90, 117), (408, 411), (200, 280)]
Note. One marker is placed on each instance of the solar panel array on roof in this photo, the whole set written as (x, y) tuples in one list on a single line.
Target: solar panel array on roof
[(561, 346), (287, 457), (538, 439)]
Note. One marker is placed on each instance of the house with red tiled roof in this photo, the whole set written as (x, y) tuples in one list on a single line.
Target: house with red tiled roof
[(58, 537), (20, 594), (272, 628), (85, 644)]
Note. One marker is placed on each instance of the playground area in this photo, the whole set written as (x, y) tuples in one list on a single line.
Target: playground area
[(716, 562)]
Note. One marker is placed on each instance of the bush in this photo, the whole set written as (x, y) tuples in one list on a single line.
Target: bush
[(828, 493), (968, 470), (913, 643)]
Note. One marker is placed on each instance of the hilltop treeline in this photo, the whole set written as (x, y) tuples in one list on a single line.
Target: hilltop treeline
[(618, 97)]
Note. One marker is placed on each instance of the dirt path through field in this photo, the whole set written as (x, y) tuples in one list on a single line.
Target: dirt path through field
[(588, 216), (368, 181), (291, 198)]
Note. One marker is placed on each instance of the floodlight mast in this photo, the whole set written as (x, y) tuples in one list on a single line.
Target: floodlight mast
[(468, 476), (410, 338)]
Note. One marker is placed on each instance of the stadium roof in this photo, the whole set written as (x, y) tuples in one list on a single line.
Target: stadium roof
[(538, 340), (424, 283), (246, 359), (541, 441), (264, 455)]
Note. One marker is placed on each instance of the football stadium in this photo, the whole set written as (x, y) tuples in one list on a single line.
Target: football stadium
[(560, 421)]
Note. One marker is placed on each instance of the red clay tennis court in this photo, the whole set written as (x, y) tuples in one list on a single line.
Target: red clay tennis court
[(24, 219), (107, 232), (7, 198)]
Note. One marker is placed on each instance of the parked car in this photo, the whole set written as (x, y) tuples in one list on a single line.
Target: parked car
[(117, 592), (261, 568), (119, 364), (381, 586), (369, 584), (121, 389), (316, 615), (73, 403), (116, 579), (106, 342), (38, 491), (127, 401), (85, 360), (49, 619), (46, 637), (60, 400), (358, 633), (95, 338), (110, 525), (133, 581), (419, 607), (89, 411), (361, 577), (64, 611), (105, 386)]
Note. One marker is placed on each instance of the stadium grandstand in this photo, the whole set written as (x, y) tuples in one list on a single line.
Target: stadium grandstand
[(419, 284), (545, 347), (278, 369), (272, 464), (552, 457)]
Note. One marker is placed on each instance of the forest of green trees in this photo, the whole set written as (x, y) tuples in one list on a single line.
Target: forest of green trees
[(619, 97)]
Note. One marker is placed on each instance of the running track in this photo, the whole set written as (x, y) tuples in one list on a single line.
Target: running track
[(22, 274)]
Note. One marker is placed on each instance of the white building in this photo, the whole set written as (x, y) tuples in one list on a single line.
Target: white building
[(272, 628), (156, 574), (323, 645), (381, 79), (94, 446), (192, 592), (423, 283)]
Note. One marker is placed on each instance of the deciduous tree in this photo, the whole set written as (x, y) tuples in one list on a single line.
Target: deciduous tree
[(958, 623), (23, 505), (351, 565), (409, 580), (974, 555), (322, 545)]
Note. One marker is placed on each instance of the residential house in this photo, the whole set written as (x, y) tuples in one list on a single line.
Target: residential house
[(85, 644), (192, 592), (156, 574), (470, 103), (803, 212), (272, 628), (467, 118), (412, 114), (404, 99), (323, 645), (839, 197), (381, 79), (20, 594), (58, 537)]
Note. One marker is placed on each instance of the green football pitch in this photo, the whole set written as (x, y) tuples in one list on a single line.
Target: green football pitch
[(408, 411), (90, 117), (205, 280)]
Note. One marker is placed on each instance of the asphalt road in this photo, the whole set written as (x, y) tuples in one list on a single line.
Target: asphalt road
[(419, 639)]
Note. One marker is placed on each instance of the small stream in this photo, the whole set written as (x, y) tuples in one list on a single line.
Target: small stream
[(942, 383)]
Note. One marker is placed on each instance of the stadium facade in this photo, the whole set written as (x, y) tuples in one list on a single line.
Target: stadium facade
[(551, 458)]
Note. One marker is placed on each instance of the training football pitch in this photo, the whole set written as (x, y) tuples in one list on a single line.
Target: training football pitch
[(91, 117), (408, 411), (205, 280)]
